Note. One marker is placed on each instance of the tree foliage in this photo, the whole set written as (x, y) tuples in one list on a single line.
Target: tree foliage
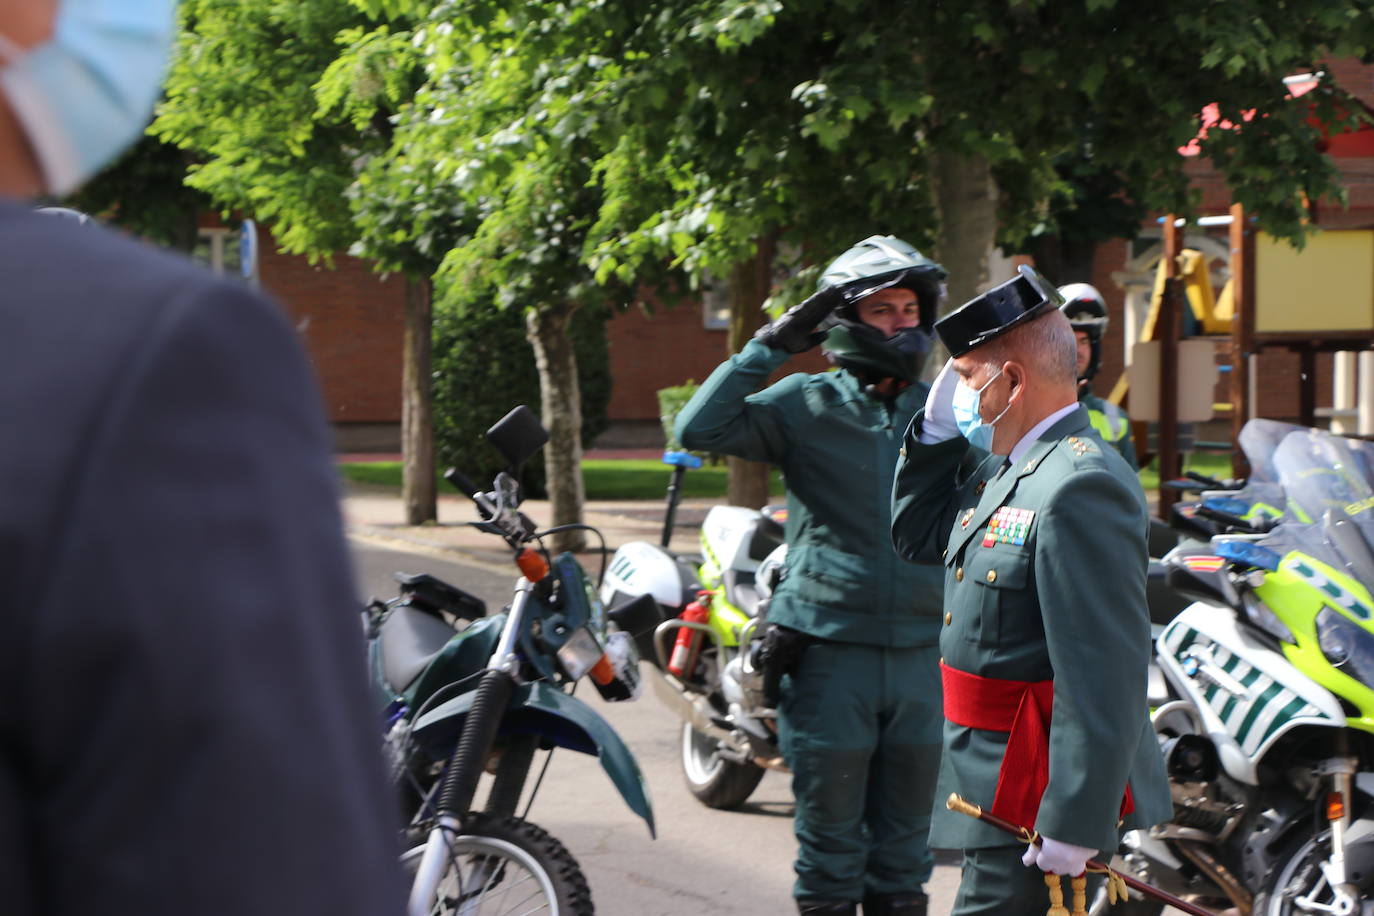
[(145, 192), (483, 366), (710, 123), (551, 154), (620, 135)]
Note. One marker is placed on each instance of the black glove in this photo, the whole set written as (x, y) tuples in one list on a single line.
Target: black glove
[(795, 330), (780, 654)]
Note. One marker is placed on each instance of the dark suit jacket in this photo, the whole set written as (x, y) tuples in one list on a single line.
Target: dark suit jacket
[(186, 727), (1061, 598)]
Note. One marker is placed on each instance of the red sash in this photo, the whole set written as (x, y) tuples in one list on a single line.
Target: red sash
[(1023, 710)]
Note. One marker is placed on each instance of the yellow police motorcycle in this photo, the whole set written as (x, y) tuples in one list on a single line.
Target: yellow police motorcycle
[(711, 607), (1266, 708)]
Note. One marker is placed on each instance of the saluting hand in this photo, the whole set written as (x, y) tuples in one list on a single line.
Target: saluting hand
[(938, 424)]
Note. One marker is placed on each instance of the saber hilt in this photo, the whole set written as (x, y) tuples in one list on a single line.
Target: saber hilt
[(957, 803)]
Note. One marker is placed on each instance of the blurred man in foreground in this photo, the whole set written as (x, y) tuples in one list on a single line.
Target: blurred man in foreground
[(186, 727)]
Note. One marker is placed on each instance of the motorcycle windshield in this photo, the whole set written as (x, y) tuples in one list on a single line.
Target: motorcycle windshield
[(1259, 439), (1327, 482)]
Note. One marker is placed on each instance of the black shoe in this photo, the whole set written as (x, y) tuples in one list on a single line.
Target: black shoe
[(895, 904), (820, 906)]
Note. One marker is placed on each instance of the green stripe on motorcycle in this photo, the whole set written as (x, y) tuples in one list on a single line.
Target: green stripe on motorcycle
[(1270, 692), (1294, 707)]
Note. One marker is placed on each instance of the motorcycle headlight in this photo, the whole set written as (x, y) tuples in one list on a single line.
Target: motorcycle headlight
[(1348, 646), (579, 653), (1261, 616)]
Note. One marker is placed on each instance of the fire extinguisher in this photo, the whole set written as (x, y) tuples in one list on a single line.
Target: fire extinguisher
[(683, 661)]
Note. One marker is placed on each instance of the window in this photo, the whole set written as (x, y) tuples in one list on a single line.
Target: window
[(715, 303), (218, 249)]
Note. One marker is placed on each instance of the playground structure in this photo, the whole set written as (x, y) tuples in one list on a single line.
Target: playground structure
[(1308, 301)]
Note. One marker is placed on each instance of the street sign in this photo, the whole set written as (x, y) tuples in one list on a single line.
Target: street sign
[(248, 252)]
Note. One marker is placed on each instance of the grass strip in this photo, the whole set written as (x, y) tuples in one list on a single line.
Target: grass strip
[(647, 478), (603, 478)]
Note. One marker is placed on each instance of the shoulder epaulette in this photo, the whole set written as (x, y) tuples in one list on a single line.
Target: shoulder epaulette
[(1081, 446)]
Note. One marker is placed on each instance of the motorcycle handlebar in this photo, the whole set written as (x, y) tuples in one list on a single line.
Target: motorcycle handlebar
[(1211, 482), (1258, 525), (460, 482)]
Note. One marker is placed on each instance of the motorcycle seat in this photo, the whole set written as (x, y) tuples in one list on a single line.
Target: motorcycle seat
[(767, 537), (410, 638)]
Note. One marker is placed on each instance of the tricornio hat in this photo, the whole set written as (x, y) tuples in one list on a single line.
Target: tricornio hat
[(997, 311)]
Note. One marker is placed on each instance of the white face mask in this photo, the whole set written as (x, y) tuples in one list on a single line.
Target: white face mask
[(968, 416), (88, 92)]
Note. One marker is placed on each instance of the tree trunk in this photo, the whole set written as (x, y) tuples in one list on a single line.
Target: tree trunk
[(967, 202), (750, 283), (417, 407), (560, 401)]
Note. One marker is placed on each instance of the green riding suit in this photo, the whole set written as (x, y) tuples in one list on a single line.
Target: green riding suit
[(860, 715)]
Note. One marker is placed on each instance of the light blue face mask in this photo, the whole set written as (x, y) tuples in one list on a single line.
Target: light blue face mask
[(87, 92), (967, 417)]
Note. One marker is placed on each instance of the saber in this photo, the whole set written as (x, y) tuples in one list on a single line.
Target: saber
[(956, 803)]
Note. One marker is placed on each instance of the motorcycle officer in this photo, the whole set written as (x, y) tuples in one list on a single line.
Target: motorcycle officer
[(1087, 314), (853, 627)]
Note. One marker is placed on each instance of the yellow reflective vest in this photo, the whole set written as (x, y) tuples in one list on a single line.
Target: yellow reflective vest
[(1111, 423)]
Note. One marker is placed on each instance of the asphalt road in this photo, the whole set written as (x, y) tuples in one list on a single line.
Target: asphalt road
[(702, 861)]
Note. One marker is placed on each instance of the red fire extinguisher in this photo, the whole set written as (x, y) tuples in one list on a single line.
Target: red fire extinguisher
[(684, 658)]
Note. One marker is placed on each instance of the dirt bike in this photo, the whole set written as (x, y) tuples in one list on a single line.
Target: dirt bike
[(703, 651), (1267, 723), (465, 693)]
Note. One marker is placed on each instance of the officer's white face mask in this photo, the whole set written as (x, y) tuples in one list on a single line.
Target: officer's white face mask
[(968, 417), (88, 91)]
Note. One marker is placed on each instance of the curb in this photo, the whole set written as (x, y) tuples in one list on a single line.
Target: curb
[(388, 539)]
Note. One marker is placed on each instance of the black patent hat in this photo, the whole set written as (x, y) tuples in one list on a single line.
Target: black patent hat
[(997, 311)]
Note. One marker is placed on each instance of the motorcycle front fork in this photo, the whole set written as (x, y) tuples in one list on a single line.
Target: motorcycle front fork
[(1339, 772)]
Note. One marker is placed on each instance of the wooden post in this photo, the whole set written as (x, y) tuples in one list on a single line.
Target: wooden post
[(1242, 330), (1166, 332)]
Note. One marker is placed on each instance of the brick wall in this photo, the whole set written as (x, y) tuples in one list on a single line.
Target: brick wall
[(351, 320), (657, 349)]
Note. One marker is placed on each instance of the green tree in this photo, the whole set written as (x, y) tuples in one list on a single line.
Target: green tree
[(484, 366), (724, 132), (145, 192), (283, 106), (485, 125), (356, 125)]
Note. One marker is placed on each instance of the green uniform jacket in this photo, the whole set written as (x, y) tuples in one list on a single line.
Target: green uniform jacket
[(1111, 423), (837, 448), (1068, 603)]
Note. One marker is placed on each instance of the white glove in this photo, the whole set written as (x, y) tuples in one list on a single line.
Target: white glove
[(939, 422), (1057, 858)]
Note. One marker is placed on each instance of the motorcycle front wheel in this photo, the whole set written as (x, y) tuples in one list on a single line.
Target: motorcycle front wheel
[(503, 866), (713, 780), (1301, 887)]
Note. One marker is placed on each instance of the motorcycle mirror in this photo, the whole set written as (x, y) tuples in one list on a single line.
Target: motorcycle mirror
[(518, 436)]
